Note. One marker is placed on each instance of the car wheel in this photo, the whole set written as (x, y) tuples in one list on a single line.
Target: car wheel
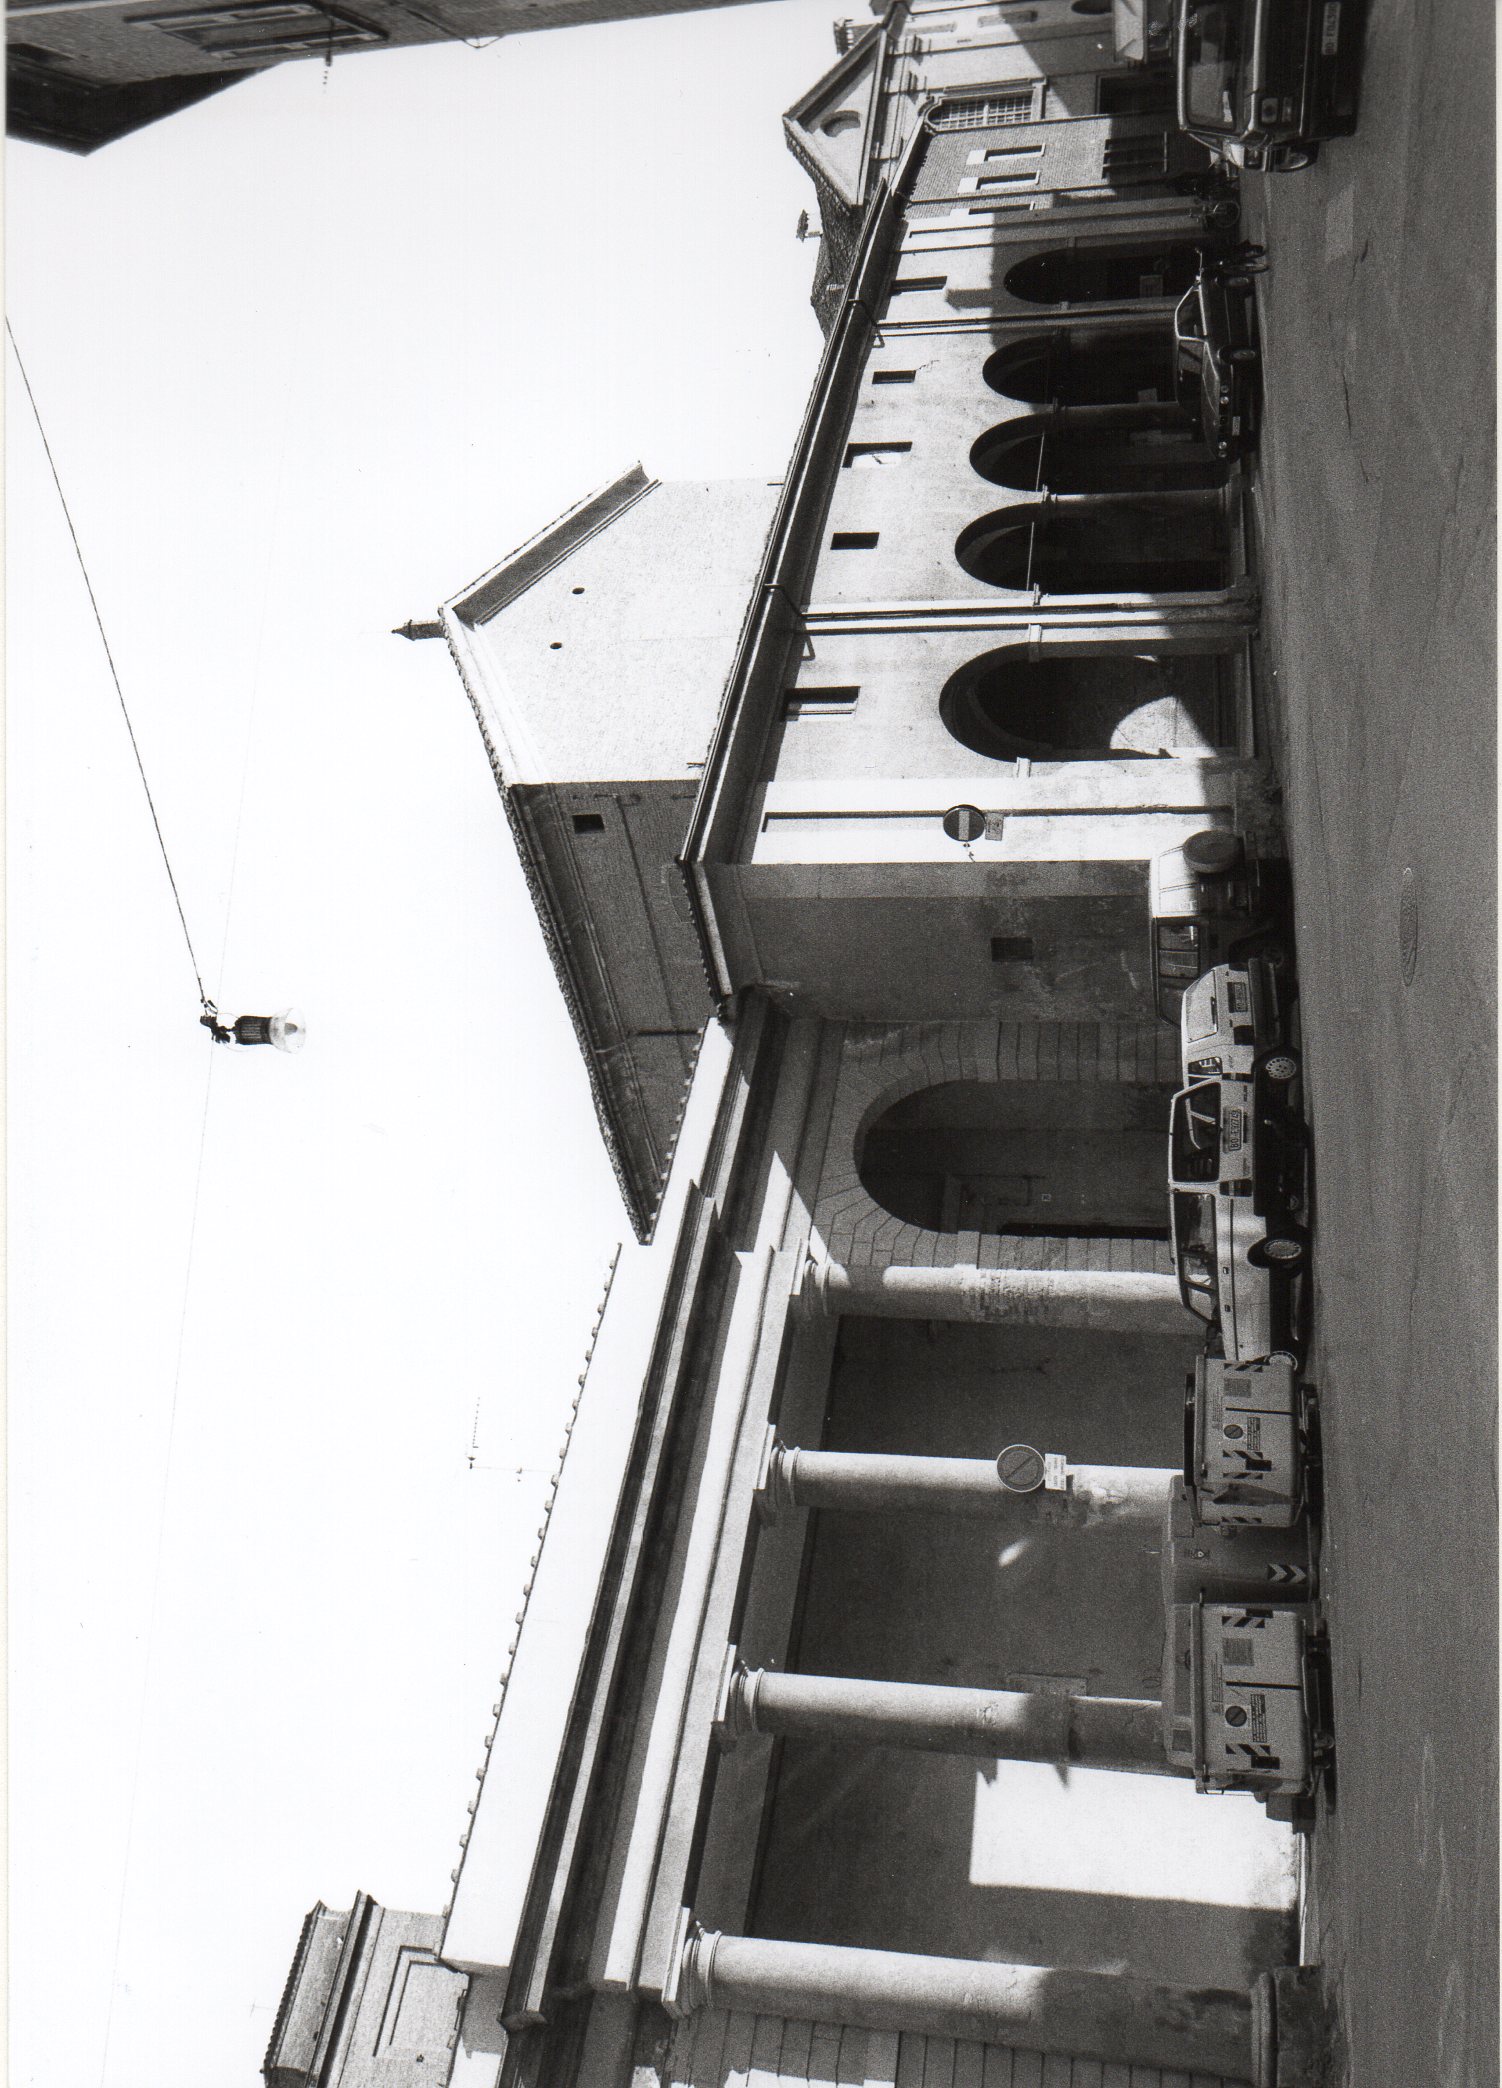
[(1212, 852), (1281, 1066), (1283, 1250)]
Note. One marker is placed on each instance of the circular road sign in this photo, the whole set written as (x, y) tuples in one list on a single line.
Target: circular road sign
[(1020, 1468)]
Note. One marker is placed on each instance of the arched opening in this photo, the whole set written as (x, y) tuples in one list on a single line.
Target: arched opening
[(1053, 1157), (1093, 707), (1114, 367), (1137, 449), (1169, 543), (1100, 275)]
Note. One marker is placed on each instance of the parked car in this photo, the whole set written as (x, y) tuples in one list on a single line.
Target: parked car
[(1261, 82), (1236, 1019), (1237, 1165), (1217, 356), (1208, 901)]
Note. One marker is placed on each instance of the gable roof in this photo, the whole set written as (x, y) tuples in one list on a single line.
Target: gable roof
[(830, 131)]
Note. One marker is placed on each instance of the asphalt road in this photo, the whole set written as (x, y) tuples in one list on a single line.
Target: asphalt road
[(1375, 502)]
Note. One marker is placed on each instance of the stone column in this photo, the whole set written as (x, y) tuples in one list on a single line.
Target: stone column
[(1088, 2015), (997, 1724), (796, 1478), (1117, 1301)]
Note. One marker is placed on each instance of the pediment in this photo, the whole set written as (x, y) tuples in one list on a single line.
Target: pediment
[(830, 129)]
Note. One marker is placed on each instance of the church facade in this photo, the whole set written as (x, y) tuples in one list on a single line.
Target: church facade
[(823, 1753)]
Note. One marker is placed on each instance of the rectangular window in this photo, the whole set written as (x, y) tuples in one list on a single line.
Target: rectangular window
[(264, 29), (907, 283), (1011, 949), (853, 540), (894, 376), (820, 703), (589, 822), (988, 153), (1136, 159), (980, 112), (1135, 94), (985, 183), (1000, 203), (870, 456)]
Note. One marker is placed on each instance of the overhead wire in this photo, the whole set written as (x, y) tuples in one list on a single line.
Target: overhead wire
[(110, 657)]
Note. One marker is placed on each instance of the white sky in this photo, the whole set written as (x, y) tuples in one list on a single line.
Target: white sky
[(311, 356)]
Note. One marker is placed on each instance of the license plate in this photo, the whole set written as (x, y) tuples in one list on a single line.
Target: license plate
[(1329, 35)]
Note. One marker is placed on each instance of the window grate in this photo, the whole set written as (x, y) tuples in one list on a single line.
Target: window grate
[(1136, 159), (979, 112), (264, 29)]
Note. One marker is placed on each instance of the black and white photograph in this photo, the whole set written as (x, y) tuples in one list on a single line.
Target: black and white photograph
[(751, 1019)]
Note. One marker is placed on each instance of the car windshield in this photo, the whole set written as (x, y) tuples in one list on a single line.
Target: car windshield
[(1212, 57)]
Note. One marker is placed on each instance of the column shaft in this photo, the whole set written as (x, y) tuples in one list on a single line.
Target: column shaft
[(1090, 2015), (955, 1485), (997, 1724), (1120, 1301)]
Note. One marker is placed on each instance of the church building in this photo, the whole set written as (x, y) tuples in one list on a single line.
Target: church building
[(828, 1749)]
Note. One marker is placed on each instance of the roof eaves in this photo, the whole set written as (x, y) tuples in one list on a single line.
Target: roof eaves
[(642, 1215)]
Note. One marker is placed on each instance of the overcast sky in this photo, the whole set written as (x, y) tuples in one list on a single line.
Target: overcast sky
[(311, 356)]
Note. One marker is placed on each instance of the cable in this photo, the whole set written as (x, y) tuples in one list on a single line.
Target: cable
[(156, 1577), (114, 671)]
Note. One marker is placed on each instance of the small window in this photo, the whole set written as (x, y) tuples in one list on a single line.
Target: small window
[(1015, 180), (589, 822), (1003, 152), (1011, 949), (906, 283), (1136, 159), (893, 376), (820, 703), (264, 29), (871, 456), (853, 540), (1000, 203)]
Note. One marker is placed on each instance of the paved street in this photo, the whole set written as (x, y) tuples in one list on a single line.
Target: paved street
[(1375, 503)]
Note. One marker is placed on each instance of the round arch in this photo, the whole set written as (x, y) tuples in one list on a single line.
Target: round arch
[(1165, 543), (1048, 1157), (1131, 449), (1106, 366), (1112, 705), (1103, 275)]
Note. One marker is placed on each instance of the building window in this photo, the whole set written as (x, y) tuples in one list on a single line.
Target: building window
[(906, 283), (979, 112), (589, 822), (1011, 949), (894, 376), (853, 540), (820, 703), (1143, 158), (1135, 94), (264, 29), (871, 456)]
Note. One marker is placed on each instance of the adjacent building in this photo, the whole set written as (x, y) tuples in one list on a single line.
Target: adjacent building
[(81, 73), (820, 1755)]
